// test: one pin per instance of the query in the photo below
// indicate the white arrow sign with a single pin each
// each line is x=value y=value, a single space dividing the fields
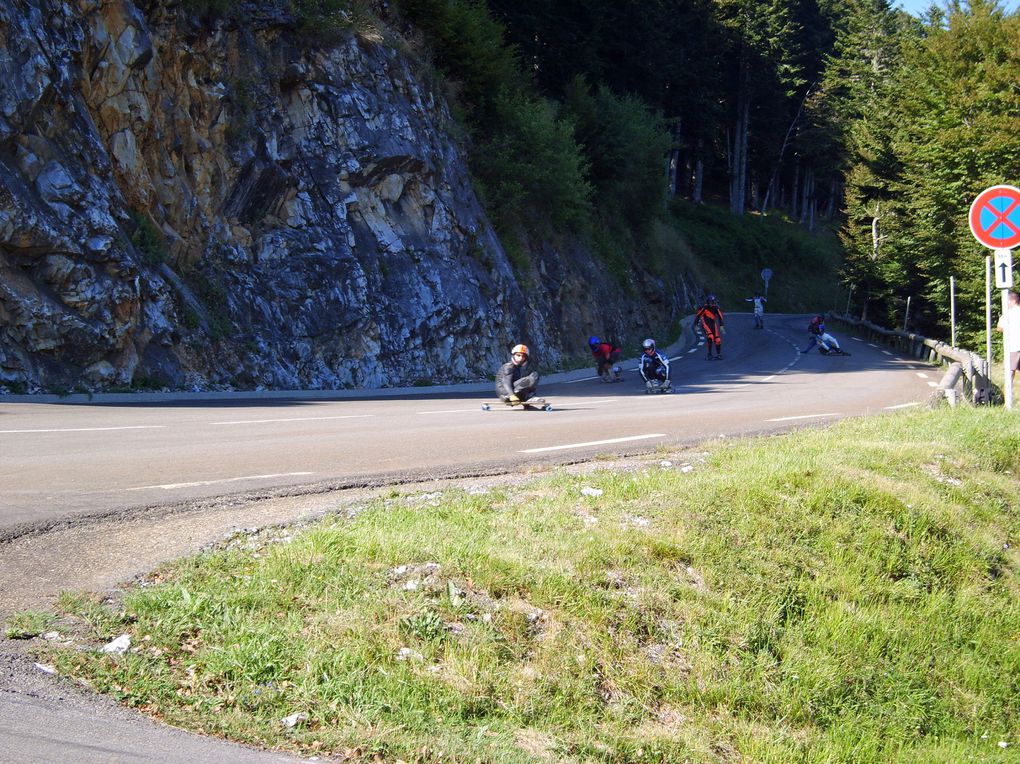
x=1003 y=269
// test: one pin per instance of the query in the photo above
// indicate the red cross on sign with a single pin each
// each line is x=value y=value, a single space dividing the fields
x=995 y=217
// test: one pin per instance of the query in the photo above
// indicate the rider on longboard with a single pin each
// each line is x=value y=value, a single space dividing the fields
x=654 y=368
x=827 y=344
x=710 y=316
x=607 y=359
x=516 y=383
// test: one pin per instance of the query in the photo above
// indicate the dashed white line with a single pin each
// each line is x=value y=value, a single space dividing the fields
x=857 y=339
x=593 y=443
x=921 y=374
x=768 y=379
x=872 y=345
x=171 y=486
x=448 y=411
x=903 y=405
x=886 y=352
x=297 y=419
x=933 y=384
x=695 y=350
x=804 y=416
x=93 y=429
x=582 y=379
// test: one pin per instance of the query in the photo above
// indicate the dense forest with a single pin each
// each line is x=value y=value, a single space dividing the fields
x=612 y=120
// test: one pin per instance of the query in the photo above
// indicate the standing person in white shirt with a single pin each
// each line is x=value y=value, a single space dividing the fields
x=1011 y=354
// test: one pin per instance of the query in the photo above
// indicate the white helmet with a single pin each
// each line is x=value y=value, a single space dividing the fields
x=648 y=344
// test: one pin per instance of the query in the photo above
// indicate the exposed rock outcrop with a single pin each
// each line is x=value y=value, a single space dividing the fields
x=198 y=205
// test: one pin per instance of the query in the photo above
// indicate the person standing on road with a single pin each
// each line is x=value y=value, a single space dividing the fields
x=1011 y=320
x=515 y=380
x=759 y=309
x=710 y=316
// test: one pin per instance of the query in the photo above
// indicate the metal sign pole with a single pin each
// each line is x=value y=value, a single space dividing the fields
x=1007 y=387
x=952 y=311
x=988 y=317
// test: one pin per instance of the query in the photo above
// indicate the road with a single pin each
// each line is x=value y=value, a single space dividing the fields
x=67 y=464
x=61 y=461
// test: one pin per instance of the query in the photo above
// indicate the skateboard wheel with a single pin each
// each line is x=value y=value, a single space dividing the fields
x=486 y=407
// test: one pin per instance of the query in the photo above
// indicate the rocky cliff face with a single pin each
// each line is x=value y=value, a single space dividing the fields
x=196 y=205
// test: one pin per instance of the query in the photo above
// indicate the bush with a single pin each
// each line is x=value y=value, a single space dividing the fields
x=532 y=169
x=625 y=145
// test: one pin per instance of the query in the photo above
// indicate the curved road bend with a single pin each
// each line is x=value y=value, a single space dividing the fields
x=61 y=461
x=65 y=461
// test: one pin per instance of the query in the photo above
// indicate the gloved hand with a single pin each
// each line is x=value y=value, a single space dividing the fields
x=514 y=399
x=722 y=330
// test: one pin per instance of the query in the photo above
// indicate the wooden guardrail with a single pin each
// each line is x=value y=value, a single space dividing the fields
x=976 y=383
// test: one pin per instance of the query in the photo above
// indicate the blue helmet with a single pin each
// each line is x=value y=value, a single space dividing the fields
x=593 y=341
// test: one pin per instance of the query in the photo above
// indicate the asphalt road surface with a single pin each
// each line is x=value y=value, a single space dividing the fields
x=63 y=461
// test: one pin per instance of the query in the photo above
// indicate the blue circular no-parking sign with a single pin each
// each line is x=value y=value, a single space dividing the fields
x=995 y=217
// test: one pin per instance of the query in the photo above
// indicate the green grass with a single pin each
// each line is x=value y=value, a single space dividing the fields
x=843 y=595
x=730 y=253
x=28 y=624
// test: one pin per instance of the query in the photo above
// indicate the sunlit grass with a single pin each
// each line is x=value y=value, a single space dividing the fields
x=846 y=595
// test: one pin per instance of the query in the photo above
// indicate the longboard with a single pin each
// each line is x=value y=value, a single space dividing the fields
x=535 y=404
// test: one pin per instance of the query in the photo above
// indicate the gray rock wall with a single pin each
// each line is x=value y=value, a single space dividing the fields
x=213 y=206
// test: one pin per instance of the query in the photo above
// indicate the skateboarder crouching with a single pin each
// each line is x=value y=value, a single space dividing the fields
x=654 y=367
x=515 y=381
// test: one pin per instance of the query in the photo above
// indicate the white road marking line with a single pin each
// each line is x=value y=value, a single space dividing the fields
x=768 y=379
x=677 y=357
x=297 y=419
x=94 y=429
x=872 y=345
x=170 y=486
x=857 y=339
x=921 y=374
x=695 y=350
x=582 y=379
x=805 y=416
x=886 y=352
x=447 y=411
x=594 y=443
x=933 y=384
x=903 y=405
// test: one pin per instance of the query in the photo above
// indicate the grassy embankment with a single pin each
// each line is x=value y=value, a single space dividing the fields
x=842 y=595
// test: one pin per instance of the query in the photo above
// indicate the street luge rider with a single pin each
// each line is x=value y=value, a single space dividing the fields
x=515 y=381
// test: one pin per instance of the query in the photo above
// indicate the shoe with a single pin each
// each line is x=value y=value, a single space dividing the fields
x=718 y=357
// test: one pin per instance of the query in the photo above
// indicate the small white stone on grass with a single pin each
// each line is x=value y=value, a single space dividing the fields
x=586 y=491
x=51 y=635
x=119 y=646
x=407 y=654
x=1003 y=744
x=45 y=668
x=687 y=468
x=665 y=463
x=294 y=719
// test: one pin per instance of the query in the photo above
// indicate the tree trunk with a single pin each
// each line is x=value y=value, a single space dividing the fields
x=738 y=159
x=699 y=175
x=795 y=190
